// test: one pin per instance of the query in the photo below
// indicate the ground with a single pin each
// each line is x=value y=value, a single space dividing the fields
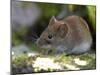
x=31 y=63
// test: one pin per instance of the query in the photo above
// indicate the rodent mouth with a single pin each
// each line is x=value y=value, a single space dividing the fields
x=46 y=46
x=50 y=51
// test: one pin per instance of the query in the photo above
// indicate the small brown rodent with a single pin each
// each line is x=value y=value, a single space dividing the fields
x=70 y=35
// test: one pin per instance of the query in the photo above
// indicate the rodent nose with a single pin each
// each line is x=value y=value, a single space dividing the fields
x=37 y=42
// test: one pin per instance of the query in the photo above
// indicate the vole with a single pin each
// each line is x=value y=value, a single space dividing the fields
x=70 y=35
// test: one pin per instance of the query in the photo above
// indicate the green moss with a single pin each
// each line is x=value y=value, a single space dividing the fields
x=23 y=60
x=87 y=56
x=91 y=59
x=20 y=60
x=64 y=59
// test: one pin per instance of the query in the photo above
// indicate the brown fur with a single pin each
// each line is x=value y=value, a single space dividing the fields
x=70 y=35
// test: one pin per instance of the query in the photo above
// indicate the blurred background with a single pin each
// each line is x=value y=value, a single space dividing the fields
x=29 y=19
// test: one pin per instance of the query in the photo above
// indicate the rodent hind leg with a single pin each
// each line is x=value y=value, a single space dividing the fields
x=73 y=53
x=69 y=51
x=81 y=49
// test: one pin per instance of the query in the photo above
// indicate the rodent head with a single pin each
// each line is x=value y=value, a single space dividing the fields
x=53 y=35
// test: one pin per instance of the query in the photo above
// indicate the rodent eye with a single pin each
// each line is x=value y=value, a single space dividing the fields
x=50 y=36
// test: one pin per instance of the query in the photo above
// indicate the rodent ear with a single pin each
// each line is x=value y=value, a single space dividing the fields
x=52 y=20
x=63 y=30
